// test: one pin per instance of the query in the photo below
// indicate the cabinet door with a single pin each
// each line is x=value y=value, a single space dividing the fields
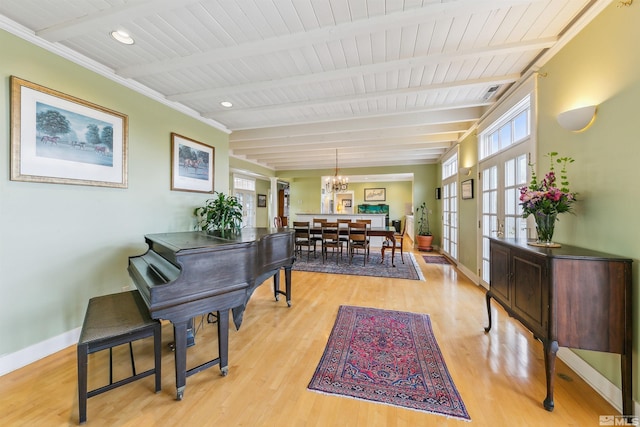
x=499 y=283
x=530 y=291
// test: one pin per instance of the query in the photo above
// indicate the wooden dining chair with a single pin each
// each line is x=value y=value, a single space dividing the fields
x=343 y=225
x=331 y=240
x=358 y=240
x=303 y=238
x=399 y=243
x=316 y=232
x=277 y=222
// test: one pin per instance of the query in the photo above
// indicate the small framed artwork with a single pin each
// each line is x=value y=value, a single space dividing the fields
x=438 y=193
x=467 y=189
x=58 y=138
x=375 y=194
x=346 y=203
x=191 y=165
x=262 y=200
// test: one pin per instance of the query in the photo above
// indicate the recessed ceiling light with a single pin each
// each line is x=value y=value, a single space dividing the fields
x=226 y=104
x=122 y=36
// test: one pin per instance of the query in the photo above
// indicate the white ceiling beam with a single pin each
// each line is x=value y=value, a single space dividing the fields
x=113 y=16
x=414 y=16
x=416 y=123
x=401 y=64
x=429 y=141
x=362 y=97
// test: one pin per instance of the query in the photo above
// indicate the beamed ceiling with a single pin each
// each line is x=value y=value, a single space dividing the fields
x=384 y=82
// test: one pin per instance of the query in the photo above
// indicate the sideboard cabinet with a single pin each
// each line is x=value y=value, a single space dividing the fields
x=567 y=296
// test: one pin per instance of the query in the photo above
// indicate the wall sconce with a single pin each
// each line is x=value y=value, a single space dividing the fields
x=578 y=119
x=464 y=171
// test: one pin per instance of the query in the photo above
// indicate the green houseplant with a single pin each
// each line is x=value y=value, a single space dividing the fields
x=424 y=239
x=221 y=213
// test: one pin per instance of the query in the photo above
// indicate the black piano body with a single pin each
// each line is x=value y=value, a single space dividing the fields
x=185 y=274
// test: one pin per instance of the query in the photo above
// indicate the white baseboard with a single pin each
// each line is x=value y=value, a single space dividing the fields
x=13 y=361
x=595 y=379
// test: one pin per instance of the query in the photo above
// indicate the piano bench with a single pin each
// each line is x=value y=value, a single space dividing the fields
x=109 y=321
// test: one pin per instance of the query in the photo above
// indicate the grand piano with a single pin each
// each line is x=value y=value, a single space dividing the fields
x=186 y=274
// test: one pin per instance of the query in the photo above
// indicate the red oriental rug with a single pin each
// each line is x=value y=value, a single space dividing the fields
x=387 y=357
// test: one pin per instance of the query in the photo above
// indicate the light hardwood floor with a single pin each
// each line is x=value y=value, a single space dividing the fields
x=499 y=375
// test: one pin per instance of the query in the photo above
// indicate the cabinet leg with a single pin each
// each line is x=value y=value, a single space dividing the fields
x=550 y=350
x=627 y=382
x=488 y=297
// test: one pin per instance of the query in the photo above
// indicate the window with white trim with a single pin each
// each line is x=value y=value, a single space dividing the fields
x=510 y=129
x=244 y=189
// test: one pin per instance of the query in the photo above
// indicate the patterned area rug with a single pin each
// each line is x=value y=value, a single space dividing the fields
x=387 y=357
x=408 y=270
x=438 y=259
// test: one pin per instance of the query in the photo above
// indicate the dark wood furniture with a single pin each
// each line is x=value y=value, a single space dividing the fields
x=110 y=321
x=567 y=296
x=386 y=232
x=186 y=274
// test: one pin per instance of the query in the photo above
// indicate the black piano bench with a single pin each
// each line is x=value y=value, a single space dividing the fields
x=113 y=320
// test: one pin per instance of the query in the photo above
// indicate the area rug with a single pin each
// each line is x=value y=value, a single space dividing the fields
x=408 y=270
x=387 y=357
x=437 y=259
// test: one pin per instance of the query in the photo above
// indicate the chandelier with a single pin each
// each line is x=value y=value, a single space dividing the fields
x=337 y=183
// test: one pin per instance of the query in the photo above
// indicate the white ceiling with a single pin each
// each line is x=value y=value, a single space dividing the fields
x=385 y=82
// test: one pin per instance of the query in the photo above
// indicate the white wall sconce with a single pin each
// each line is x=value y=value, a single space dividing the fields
x=578 y=119
x=464 y=171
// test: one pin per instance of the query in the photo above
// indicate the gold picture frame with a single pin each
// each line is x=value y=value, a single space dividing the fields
x=60 y=139
x=191 y=165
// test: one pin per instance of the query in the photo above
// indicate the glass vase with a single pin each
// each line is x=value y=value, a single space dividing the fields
x=545 y=224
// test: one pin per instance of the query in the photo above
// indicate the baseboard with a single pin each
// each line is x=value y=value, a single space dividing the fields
x=13 y=361
x=609 y=391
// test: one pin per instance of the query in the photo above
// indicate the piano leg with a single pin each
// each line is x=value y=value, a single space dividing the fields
x=287 y=279
x=223 y=341
x=276 y=285
x=180 y=355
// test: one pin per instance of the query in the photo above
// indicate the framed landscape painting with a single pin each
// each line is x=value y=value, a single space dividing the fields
x=191 y=165
x=375 y=194
x=58 y=138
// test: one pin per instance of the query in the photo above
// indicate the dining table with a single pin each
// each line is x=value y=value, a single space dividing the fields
x=386 y=232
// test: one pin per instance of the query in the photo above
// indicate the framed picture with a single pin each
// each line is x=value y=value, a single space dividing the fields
x=262 y=200
x=346 y=203
x=57 y=138
x=375 y=194
x=191 y=165
x=467 y=189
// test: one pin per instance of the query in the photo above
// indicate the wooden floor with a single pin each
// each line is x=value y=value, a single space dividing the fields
x=499 y=375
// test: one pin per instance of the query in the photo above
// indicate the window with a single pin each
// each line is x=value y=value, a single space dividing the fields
x=514 y=127
x=450 y=206
x=244 y=188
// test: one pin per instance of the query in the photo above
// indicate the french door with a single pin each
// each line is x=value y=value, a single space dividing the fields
x=500 y=213
x=450 y=218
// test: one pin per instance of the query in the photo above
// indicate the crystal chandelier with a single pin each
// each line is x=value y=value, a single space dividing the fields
x=337 y=183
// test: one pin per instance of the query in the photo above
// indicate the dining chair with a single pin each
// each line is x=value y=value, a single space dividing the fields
x=316 y=230
x=358 y=240
x=399 y=243
x=331 y=240
x=303 y=239
x=343 y=225
x=277 y=222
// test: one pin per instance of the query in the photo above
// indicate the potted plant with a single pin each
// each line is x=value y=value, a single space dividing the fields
x=222 y=214
x=424 y=237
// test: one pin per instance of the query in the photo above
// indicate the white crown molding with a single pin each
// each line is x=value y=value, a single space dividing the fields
x=64 y=52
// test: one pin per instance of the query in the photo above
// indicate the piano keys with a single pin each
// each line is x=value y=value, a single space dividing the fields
x=186 y=274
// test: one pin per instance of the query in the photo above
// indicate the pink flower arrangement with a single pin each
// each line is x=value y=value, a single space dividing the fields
x=545 y=197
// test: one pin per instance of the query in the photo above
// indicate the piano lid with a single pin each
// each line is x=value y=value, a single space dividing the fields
x=190 y=240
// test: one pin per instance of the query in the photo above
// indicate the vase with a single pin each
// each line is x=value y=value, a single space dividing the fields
x=545 y=224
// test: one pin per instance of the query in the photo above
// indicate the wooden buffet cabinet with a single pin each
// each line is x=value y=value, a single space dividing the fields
x=568 y=296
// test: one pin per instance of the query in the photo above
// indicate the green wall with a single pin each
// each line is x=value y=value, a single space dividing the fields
x=600 y=66
x=63 y=244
